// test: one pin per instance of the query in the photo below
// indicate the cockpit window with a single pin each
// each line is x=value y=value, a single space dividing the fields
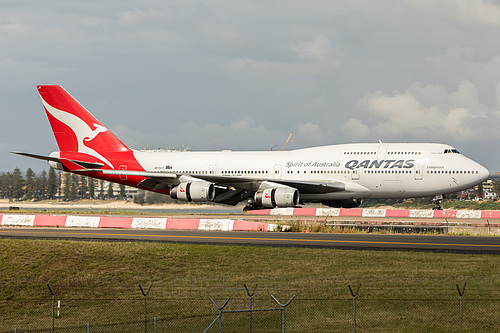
x=451 y=151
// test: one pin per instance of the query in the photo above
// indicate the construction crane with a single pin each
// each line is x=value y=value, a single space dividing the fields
x=286 y=142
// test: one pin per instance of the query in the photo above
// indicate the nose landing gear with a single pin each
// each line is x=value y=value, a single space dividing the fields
x=437 y=201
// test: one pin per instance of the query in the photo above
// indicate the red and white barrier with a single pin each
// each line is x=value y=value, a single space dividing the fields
x=132 y=222
x=376 y=212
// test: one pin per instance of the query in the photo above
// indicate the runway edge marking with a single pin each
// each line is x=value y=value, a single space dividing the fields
x=27 y=220
x=378 y=212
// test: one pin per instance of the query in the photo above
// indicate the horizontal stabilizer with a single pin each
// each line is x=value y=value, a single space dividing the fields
x=83 y=164
x=40 y=157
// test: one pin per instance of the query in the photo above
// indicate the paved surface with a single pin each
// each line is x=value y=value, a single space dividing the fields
x=464 y=244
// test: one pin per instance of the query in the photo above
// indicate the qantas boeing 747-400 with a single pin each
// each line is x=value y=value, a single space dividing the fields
x=337 y=175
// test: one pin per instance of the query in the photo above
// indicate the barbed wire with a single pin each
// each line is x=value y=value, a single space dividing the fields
x=335 y=287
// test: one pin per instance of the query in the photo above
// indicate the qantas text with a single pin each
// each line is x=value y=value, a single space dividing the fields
x=386 y=164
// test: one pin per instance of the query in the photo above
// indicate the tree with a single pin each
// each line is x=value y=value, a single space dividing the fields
x=480 y=190
x=29 y=184
x=52 y=184
x=69 y=191
x=40 y=187
x=101 y=190
x=17 y=184
x=156 y=198
x=139 y=197
x=84 y=188
x=452 y=196
x=110 y=194
x=496 y=188
x=91 y=188
x=122 y=192
x=73 y=179
x=6 y=185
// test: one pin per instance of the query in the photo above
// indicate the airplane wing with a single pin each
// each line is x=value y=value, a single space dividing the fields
x=227 y=187
x=161 y=176
x=229 y=190
x=254 y=184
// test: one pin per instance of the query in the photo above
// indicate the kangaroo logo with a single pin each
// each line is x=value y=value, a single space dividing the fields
x=82 y=131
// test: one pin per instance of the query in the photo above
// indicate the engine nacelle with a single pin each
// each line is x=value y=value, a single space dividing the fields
x=194 y=191
x=277 y=197
x=344 y=203
x=56 y=165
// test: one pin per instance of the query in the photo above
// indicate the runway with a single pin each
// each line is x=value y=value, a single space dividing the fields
x=459 y=244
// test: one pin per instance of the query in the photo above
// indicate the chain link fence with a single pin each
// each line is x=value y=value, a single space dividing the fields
x=103 y=304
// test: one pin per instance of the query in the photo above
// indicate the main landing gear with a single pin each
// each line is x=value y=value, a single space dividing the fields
x=251 y=205
x=437 y=201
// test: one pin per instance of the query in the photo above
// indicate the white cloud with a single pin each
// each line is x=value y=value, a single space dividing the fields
x=425 y=111
x=14 y=28
x=315 y=58
x=311 y=132
x=318 y=49
x=242 y=124
x=471 y=12
x=355 y=129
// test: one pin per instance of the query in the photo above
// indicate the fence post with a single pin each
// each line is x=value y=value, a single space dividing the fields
x=53 y=299
x=461 y=294
x=251 y=308
x=354 y=304
x=283 y=306
x=219 y=317
x=145 y=294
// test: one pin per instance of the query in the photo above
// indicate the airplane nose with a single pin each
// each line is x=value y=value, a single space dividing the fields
x=483 y=173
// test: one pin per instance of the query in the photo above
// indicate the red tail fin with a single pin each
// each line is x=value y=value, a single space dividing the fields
x=77 y=130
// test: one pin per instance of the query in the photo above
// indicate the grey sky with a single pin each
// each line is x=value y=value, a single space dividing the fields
x=216 y=75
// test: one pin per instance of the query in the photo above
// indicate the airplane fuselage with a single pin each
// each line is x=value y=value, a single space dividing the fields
x=369 y=170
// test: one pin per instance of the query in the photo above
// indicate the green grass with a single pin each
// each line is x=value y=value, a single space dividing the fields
x=98 y=283
x=47 y=259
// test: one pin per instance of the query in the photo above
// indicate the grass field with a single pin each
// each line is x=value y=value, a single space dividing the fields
x=98 y=283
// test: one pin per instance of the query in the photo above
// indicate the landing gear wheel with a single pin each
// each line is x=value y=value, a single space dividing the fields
x=438 y=207
x=437 y=201
x=251 y=205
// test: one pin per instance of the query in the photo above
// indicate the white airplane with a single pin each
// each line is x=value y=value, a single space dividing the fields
x=336 y=175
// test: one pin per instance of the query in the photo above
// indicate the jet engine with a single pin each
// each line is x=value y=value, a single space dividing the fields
x=344 y=203
x=277 y=197
x=194 y=191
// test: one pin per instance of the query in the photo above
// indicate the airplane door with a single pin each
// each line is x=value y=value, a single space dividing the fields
x=277 y=171
x=418 y=172
x=123 y=168
x=355 y=173
x=212 y=169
